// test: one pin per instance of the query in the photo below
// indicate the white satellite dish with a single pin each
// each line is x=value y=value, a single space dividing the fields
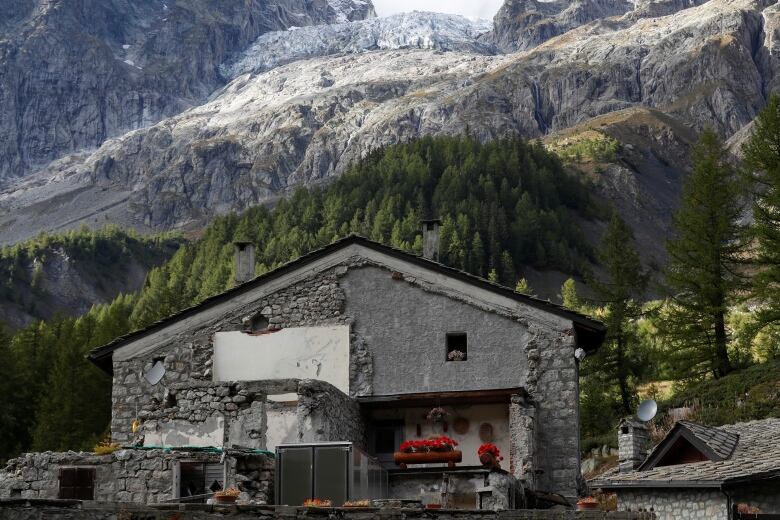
x=647 y=410
x=156 y=373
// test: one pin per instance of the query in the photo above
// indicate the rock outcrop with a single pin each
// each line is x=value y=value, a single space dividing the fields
x=524 y=24
x=75 y=72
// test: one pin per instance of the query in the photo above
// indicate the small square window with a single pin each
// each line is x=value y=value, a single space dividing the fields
x=457 y=346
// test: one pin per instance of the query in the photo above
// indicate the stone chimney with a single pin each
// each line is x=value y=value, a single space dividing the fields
x=431 y=239
x=633 y=443
x=245 y=262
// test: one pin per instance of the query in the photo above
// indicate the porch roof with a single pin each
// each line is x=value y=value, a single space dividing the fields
x=424 y=399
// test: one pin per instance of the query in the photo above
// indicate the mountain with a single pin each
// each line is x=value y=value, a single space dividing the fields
x=76 y=72
x=306 y=121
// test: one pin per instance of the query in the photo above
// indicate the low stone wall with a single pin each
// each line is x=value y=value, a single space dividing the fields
x=132 y=476
x=676 y=504
x=47 y=510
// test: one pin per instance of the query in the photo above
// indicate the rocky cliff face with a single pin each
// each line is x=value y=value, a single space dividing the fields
x=75 y=72
x=524 y=24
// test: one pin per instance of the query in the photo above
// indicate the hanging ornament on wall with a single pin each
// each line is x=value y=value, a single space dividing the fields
x=486 y=432
x=461 y=426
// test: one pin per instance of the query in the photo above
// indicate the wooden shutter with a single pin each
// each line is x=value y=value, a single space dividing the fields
x=77 y=483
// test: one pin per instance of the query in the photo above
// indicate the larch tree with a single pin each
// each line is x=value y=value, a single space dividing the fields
x=704 y=275
x=762 y=159
x=619 y=293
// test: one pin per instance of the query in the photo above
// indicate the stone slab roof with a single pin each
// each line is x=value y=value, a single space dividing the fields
x=755 y=456
x=723 y=442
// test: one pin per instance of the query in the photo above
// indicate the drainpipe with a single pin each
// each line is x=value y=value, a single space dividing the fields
x=729 y=504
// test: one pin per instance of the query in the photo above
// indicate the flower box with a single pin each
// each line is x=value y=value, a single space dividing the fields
x=428 y=457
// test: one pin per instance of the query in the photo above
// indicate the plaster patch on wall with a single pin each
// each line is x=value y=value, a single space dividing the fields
x=178 y=433
x=320 y=353
x=282 y=427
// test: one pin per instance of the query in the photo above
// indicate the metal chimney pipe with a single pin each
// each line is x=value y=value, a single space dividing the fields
x=431 y=239
x=245 y=262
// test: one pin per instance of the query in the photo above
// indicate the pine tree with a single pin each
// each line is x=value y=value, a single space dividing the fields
x=11 y=408
x=703 y=275
x=626 y=281
x=762 y=159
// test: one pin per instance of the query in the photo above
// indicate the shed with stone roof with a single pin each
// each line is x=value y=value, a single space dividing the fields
x=699 y=471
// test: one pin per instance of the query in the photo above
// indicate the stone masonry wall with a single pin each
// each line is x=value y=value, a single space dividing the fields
x=398 y=328
x=553 y=386
x=135 y=476
x=21 y=510
x=188 y=357
x=677 y=504
x=326 y=414
x=241 y=405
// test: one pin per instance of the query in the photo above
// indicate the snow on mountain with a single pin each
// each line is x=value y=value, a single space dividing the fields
x=420 y=30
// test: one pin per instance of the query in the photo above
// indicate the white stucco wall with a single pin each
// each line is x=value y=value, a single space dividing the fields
x=179 y=433
x=495 y=414
x=282 y=426
x=297 y=353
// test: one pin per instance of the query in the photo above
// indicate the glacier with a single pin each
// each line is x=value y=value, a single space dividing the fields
x=415 y=30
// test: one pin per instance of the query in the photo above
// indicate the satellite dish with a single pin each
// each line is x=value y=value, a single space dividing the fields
x=647 y=410
x=156 y=373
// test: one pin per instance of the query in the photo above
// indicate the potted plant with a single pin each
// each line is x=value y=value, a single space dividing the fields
x=587 y=504
x=456 y=355
x=437 y=414
x=425 y=451
x=317 y=502
x=490 y=456
x=227 y=496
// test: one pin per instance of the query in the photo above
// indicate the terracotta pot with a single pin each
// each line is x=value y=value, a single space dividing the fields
x=588 y=505
x=489 y=461
x=429 y=457
x=225 y=499
x=432 y=506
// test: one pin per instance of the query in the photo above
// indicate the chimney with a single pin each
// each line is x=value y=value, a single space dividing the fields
x=245 y=262
x=633 y=443
x=431 y=239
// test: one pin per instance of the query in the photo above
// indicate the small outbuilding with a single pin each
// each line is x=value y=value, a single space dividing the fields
x=698 y=471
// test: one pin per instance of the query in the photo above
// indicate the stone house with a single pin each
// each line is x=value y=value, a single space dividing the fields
x=698 y=471
x=355 y=342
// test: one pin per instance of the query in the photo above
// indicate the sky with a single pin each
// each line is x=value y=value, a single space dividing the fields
x=471 y=8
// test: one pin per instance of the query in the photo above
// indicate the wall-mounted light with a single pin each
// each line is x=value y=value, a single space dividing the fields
x=580 y=354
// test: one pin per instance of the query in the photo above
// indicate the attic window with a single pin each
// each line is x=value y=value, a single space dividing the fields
x=457 y=346
x=258 y=323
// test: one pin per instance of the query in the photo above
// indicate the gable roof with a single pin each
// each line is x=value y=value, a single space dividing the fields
x=753 y=454
x=590 y=333
x=713 y=443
